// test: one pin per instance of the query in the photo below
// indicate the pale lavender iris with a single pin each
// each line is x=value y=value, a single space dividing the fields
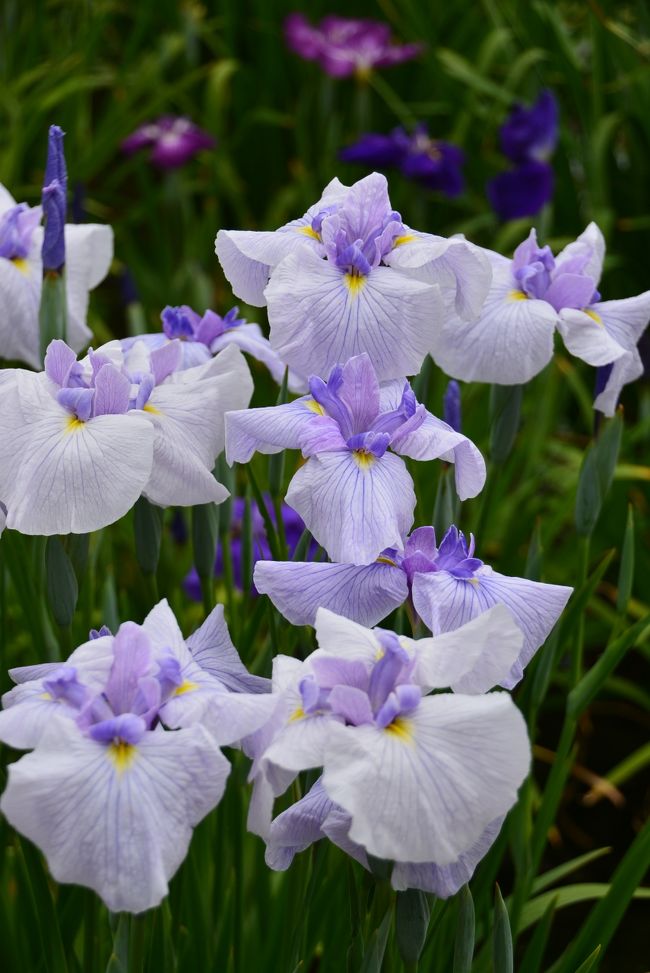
x=344 y=46
x=109 y=794
x=173 y=141
x=446 y=584
x=355 y=494
x=81 y=441
x=531 y=297
x=421 y=781
x=435 y=164
x=17 y=227
x=349 y=277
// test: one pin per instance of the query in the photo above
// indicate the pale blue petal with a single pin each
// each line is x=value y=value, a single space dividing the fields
x=268 y=430
x=445 y=603
x=319 y=319
x=436 y=440
x=366 y=594
x=213 y=650
x=354 y=510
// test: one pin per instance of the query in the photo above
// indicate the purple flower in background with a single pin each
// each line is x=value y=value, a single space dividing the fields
x=447 y=585
x=430 y=162
x=452 y=408
x=173 y=141
x=81 y=441
x=109 y=795
x=354 y=496
x=531 y=296
x=421 y=781
x=88 y=250
x=344 y=46
x=350 y=277
x=293 y=531
x=528 y=138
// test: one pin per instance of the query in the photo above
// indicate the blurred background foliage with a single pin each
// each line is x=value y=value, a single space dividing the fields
x=100 y=69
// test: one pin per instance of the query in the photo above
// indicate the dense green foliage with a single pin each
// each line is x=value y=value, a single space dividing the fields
x=573 y=853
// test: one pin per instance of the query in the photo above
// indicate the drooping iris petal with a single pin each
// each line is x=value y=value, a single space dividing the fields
x=445 y=880
x=366 y=594
x=427 y=790
x=268 y=430
x=355 y=507
x=118 y=822
x=586 y=337
x=320 y=315
x=510 y=343
x=461 y=270
x=445 y=603
x=212 y=648
x=72 y=476
x=472 y=658
x=434 y=439
x=627 y=369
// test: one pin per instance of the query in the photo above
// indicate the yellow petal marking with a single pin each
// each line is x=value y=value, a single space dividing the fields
x=21 y=264
x=402 y=729
x=364 y=459
x=298 y=714
x=73 y=424
x=185 y=687
x=517 y=296
x=152 y=409
x=122 y=755
x=354 y=283
x=405 y=238
x=593 y=315
x=315 y=406
x=309 y=231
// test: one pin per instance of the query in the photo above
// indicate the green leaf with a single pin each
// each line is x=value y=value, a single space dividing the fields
x=374 y=954
x=411 y=922
x=464 y=942
x=626 y=569
x=60 y=582
x=596 y=475
x=590 y=962
x=501 y=937
x=533 y=568
x=505 y=411
x=445 y=503
x=205 y=528
x=147 y=527
x=532 y=959
x=568 y=895
x=463 y=71
x=566 y=868
x=590 y=685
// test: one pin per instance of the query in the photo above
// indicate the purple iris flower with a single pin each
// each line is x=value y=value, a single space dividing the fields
x=81 y=441
x=173 y=141
x=423 y=781
x=355 y=496
x=54 y=202
x=452 y=408
x=350 y=277
x=109 y=794
x=430 y=162
x=532 y=296
x=447 y=585
x=293 y=531
x=528 y=138
x=344 y=46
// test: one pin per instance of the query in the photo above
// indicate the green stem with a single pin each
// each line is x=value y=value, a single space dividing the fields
x=577 y=661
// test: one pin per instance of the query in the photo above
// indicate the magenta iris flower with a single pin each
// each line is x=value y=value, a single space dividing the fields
x=173 y=141
x=434 y=164
x=528 y=138
x=344 y=46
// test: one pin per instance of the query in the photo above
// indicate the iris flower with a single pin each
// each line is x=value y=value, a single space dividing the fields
x=349 y=277
x=531 y=297
x=447 y=584
x=344 y=46
x=109 y=794
x=81 y=441
x=423 y=781
x=354 y=495
x=173 y=141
